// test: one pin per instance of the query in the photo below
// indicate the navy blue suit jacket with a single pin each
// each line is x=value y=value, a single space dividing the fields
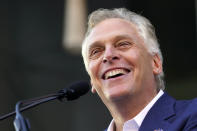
x=168 y=114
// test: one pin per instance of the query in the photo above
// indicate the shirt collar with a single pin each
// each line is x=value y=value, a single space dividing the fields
x=138 y=119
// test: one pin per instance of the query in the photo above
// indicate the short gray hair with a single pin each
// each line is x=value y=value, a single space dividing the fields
x=144 y=26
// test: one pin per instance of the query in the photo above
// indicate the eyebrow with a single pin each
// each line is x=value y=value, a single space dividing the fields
x=115 y=39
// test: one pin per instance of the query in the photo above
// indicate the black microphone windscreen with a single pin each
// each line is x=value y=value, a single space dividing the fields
x=76 y=90
x=80 y=88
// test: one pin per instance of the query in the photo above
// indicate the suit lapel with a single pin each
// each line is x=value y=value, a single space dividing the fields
x=156 y=118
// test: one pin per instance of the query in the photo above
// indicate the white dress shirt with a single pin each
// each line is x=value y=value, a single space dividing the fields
x=135 y=123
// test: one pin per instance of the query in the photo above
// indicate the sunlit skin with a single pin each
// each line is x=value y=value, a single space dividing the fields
x=116 y=44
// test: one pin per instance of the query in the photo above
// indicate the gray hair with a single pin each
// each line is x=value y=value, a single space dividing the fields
x=144 y=26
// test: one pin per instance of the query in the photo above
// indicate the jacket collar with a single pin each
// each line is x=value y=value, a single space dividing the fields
x=156 y=118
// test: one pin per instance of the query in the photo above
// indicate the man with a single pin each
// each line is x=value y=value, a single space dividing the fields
x=122 y=57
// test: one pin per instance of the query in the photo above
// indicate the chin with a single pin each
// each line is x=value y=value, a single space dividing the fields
x=117 y=94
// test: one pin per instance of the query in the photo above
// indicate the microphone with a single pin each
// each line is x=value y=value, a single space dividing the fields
x=73 y=92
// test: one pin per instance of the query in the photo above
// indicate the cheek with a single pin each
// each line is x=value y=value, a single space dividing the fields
x=139 y=57
x=140 y=62
x=93 y=73
x=93 y=70
x=132 y=57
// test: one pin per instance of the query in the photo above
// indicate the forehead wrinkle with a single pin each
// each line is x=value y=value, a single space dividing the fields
x=105 y=23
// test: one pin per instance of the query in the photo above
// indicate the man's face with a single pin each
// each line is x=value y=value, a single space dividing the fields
x=119 y=64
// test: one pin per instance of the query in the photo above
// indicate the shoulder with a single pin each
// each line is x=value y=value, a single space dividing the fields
x=188 y=114
x=179 y=105
x=181 y=109
x=185 y=115
x=186 y=108
x=186 y=105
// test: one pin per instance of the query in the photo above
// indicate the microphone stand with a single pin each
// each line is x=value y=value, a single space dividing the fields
x=21 y=123
x=73 y=92
x=32 y=103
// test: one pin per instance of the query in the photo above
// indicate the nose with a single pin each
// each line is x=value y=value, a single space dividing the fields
x=110 y=55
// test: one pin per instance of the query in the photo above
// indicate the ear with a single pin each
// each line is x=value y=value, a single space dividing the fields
x=157 y=64
x=93 y=89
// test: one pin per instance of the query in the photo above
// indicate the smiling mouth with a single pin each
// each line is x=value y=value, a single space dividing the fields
x=115 y=73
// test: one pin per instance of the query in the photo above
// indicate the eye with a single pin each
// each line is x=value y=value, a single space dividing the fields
x=124 y=45
x=95 y=52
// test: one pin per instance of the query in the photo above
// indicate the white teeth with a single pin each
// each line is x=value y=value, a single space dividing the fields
x=114 y=72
